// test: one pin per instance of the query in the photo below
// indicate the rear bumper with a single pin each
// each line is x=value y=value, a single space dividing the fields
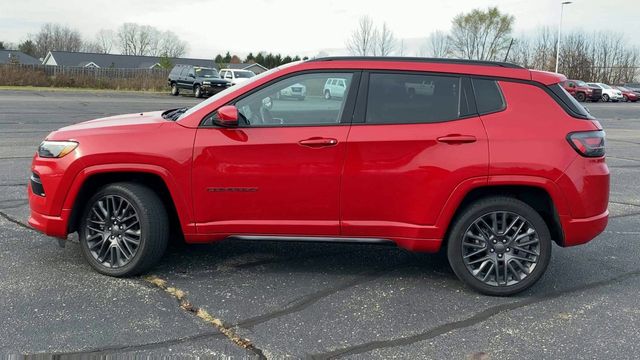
x=580 y=231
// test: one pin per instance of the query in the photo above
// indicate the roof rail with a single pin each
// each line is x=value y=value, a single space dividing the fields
x=420 y=59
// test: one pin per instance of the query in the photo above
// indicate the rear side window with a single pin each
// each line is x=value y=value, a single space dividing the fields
x=569 y=103
x=395 y=98
x=489 y=98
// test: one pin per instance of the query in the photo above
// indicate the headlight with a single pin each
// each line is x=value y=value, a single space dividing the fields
x=56 y=149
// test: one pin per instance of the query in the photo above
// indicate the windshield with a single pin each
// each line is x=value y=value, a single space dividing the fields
x=230 y=89
x=623 y=88
x=206 y=73
x=244 y=74
x=581 y=83
x=605 y=86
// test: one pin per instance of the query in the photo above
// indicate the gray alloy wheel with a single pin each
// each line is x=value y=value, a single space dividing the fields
x=174 y=89
x=501 y=248
x=124 y=229
x=197 y=91
x=499 y=245
x=605 y=98
x=113 y=231
x=327 y=94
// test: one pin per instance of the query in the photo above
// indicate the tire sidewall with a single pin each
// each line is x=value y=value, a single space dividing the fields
x=454 y=244
x=144 y=238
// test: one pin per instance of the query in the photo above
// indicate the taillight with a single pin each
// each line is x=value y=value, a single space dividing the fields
x=588 y=143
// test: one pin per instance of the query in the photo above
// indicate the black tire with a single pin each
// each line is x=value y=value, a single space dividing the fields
x=581 y=97
x=197 y=91
x=153 y=228
x=605 y=98
x=485 y=207
x=174 y=89
x=625 y=98
x=327 y=95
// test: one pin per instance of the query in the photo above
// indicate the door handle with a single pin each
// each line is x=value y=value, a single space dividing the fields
x=316 y=142
x=457 y=139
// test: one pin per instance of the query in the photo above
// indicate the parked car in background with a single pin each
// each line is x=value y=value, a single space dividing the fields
x=581 y=91
x=200 y=80
x=488 y=167
x=608 y=93
x=295 y=91
x=421 y=88
x=334 y=87
x=632 y=86
x=628 y=94
x=236 y=76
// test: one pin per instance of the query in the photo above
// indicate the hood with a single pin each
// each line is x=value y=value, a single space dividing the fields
x=240 y=80
x=113 y=124
x=212 y=80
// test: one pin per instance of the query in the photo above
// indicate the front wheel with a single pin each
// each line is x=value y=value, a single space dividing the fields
x=605 y=98
x=327 y=95
x=197 y=91
x=581 y=97
x=124 y=229
x=499 y=246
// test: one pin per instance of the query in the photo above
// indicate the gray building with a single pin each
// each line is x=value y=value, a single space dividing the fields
x=14 y=56
x=84 y=59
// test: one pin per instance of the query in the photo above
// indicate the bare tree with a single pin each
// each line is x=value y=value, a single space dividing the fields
x=363 y=38
x=56 y=37
x=135 y=39
x=385 y=42
x=104 y=41
x=481 y=35
x=438 y=44
x=171 y=45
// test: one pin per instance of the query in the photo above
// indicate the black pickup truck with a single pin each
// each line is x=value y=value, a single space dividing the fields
x=201 y=80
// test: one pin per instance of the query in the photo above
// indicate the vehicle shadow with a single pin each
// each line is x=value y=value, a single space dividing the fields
x=292 y=257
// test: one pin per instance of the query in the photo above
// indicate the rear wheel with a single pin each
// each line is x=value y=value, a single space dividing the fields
x=174 y=89
x=124 y=229
x=581 y=97
x=605 y=98
x=499 y=246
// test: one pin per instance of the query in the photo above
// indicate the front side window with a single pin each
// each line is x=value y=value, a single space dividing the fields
x=278 y=105
x=413 y=98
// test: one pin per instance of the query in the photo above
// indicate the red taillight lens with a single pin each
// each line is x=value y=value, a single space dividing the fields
x=588 y=143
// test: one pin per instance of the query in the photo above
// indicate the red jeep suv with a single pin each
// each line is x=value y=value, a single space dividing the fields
x=490 y=161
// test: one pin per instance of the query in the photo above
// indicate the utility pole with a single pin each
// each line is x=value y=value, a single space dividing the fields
x=560 y=34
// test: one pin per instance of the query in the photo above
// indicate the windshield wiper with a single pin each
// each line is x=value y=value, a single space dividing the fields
x=174 y=114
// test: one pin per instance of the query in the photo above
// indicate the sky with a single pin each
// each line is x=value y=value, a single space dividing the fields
x=302 y=27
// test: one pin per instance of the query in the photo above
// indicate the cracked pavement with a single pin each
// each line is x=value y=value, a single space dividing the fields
x=305 y=300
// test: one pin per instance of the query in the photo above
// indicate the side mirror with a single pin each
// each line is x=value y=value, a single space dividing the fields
x=227 y=116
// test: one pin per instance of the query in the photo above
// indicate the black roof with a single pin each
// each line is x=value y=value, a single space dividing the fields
x=69 y=58
x=421 y=59
x=6 y=56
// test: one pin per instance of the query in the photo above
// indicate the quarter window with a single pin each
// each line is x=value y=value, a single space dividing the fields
x=488 y=96
x=413 y=98
x=294 y=101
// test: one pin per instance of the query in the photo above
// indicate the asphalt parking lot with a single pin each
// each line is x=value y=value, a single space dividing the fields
x=305 y=300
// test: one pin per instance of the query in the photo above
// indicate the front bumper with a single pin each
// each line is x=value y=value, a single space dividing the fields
x=211 y=89
x=50 y=225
